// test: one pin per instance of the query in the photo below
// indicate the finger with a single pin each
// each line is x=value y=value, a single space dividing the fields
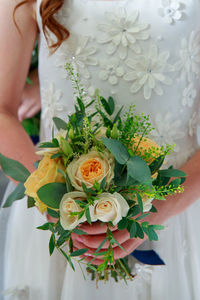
x=129 y=246
x=91 y=251
x=94 y=241
x=96 y=228
x=88 y=258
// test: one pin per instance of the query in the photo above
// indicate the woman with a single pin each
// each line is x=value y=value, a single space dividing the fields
x=132 y=50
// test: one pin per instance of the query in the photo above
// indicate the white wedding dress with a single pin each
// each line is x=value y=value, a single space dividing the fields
x=145 y=52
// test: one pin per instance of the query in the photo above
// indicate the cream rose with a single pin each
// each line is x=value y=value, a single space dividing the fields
x=101 y=132
x=69 y=205
x=89 y=168
x=109 y=207
x=147 y=203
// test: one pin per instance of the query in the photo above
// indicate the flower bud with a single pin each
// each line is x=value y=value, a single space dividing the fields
x=108 y=132
x=71 y=133
x=66 y=148
x=115 y=132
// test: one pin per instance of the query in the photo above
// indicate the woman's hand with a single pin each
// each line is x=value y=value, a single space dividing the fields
x=31 y=102
x=96 y=234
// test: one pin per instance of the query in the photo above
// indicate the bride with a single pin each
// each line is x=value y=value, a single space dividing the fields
x=146 y=52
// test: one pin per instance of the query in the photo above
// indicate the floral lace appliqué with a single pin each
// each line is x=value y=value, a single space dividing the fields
x=170 y=11
x=78 y=53
x=122 y=31
x=149 y=72
x=193 y=123
x=189 y=62
x=189 y=95
x=51 y=104
x=110 y=70
x=167 y=131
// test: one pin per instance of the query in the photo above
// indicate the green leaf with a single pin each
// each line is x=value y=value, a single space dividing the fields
x=79 y=231
x=81 y=105
x=140 y=232
x=152 y=234
x=101 y=245
x=36 y=163
x=79 y=252
x=111 y=104
x=68 y=259
x=52 y=193
x=133 y=211
x=117 y=149
x=47 y=145
x=87 y=214
x=140 y=203
x=118 y=244
x=138 y=169
x=52 y=244
x=142 y=216
x=63 y=238
x=158 y=227
x=175 y=183
x=106 y=121
x=153 y=209
x=68 y=184
x=133 y=230
x=59 y=123
x=45 y=226
x=117 y=115
x=52 y=213
x=30 y=202
x=17 y=194
x=123 y=223
x=156 y=164
x=14 y=169
x=106 y=106
x=59 y=154
x=172 y=173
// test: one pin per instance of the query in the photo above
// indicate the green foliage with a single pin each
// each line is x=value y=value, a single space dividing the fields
x=14 y=169
x=52 y=193
x=17 y=194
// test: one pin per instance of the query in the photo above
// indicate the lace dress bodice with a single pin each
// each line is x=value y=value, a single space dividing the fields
x=137 y=51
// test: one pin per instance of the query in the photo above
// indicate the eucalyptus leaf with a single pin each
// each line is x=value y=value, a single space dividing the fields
x=14 y=169
x=59 y=123
x=52 y=193
x=79 y=231
x=119 y=151
x=139 y=170
x=140 y=203
x=17 y=194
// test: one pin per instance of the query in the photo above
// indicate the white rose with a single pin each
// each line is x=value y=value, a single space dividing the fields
x=69 y=205
x=109 y=207
x=89 y=168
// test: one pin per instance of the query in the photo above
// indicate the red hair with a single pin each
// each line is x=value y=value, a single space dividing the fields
x=48 y=9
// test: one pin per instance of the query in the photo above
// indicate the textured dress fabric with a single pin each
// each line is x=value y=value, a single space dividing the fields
x=139 y=52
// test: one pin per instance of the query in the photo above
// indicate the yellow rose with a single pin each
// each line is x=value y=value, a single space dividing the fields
x=109 y=207
x=89 y=168
x=47 y=172
x=144 y=148
x=69 y=205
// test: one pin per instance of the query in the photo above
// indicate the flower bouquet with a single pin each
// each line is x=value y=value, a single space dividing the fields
x=98 y=167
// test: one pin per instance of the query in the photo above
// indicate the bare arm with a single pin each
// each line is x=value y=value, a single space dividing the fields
x=15 y=56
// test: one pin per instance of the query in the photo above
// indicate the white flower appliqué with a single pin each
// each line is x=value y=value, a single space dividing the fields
x=110 y=70
x=193 y=122
x=122 y=31
x=189 y=57
x=189 y=95
x=166 y=130
x=78 y=53
x=170 y=11
x=149 y=72
x=51 y=104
